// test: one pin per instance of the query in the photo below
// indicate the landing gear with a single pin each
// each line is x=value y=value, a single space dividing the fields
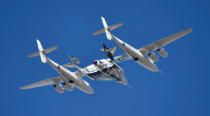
x=118 y=79
x=136 y=59
x=71 y=81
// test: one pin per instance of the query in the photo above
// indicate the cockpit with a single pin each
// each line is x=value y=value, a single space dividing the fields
x=99 y=63
x=95 y=62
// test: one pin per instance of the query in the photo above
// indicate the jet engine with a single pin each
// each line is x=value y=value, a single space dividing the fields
x=162 y=52
x=59 y=88
x=69 y=85
x=153 y=57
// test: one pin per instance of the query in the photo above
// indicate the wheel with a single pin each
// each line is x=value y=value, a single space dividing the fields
x=71 y=81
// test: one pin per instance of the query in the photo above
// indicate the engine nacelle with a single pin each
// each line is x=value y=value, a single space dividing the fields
x=59 y=88
x=153 y=57
x=162 y=52
x=68 y=85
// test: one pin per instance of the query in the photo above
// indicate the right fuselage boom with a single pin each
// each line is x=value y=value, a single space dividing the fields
x=137 y=56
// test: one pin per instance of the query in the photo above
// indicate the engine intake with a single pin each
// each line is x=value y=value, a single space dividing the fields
x=162 y=52
x=59 y=88
x=69 y=85
x=153 y=57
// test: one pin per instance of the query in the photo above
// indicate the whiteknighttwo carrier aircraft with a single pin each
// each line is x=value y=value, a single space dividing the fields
x=104 y=69
x=144 y=56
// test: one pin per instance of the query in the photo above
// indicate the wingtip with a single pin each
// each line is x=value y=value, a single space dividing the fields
x=22 y=87
x=29 y=56
x=120 y=23
x=94 y=33
x=129 y=86
x=37 y=40
x=191 y=28
x=161 y=71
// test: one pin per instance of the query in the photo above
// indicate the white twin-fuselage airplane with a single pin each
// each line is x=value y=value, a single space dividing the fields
x=144 y=56
x=104 y=69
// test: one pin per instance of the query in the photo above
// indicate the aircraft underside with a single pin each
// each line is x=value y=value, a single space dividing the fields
x=107 y=74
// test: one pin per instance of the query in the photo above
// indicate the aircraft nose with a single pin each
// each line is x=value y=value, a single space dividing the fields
x=90 y=90
x=155 y=69
x=87 y=88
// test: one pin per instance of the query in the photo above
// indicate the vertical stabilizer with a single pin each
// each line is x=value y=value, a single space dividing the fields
x=106 y=29
x=42 y=51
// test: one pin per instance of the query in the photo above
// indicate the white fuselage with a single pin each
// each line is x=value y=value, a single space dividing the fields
x=104 y=69
x=70 y=76
x=136 y=55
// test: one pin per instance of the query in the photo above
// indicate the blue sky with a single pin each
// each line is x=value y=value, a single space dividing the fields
x=182 y=90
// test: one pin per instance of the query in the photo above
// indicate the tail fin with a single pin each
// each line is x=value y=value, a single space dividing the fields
x=107 y=29
x=109 y=52
x=42 y=52
x=72 y=61
x=72 y=64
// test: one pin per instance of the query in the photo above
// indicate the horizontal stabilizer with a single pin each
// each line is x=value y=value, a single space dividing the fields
x=113 y=50
x=44 y=51
x=72 y=61
x=107 y=29
x=112 y=27
x=50 y=49
x=75 y=60
x=34 y=54
x=69 y=65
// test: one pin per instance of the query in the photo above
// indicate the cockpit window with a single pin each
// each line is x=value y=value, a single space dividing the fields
x=101 y=62
x=95 y=62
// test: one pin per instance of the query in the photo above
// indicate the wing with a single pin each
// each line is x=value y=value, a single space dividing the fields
x=122 y=58
x=158 y=44
x=46 y=82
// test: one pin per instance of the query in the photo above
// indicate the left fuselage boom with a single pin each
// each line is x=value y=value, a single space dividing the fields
x=70 y=77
